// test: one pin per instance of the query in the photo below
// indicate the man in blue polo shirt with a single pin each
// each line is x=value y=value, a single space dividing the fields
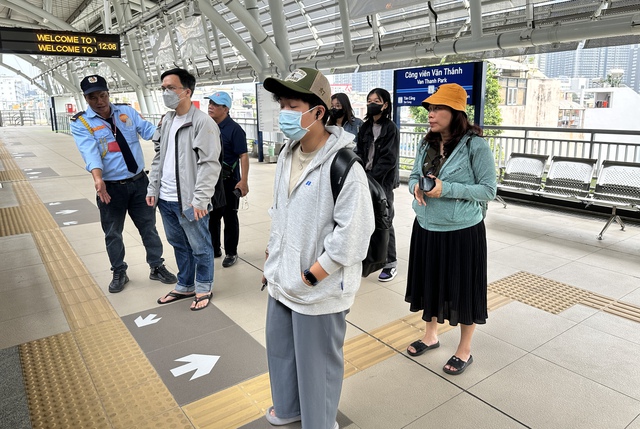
x=107 y=136
x=235 y=173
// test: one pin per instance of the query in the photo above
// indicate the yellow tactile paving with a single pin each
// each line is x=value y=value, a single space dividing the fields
x=26 y=195
x=539 y=292
x=59 y=388
x=113 y=357
x=232 y=407
x=555 y=297
x=622 y=309
x=9 y=170
x=95 y=376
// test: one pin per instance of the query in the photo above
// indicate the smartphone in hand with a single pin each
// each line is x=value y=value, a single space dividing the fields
x=188 y=213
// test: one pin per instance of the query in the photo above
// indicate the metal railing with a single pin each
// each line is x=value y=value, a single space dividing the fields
x=603 y=145
x=610 y=145
x=23 y=117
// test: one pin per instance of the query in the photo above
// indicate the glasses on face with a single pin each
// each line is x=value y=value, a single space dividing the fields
x=431 y=169
x=171 y=88
x=435 y=108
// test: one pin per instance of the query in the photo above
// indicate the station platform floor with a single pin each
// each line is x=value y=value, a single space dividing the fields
x=559 y=350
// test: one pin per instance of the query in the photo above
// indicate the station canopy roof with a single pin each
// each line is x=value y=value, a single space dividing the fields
x=234 y=41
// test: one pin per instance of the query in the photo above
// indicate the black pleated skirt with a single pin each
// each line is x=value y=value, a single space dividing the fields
x=448 y=274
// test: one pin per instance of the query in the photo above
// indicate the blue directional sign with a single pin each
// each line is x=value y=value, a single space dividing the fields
x=415 y=84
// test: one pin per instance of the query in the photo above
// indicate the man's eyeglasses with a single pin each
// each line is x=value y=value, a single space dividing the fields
x=431 y=170
x=171 y=88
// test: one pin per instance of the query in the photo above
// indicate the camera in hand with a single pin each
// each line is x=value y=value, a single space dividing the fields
x=237 y=192
x=426 y=183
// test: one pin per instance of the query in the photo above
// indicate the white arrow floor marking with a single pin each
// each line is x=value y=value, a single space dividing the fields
x=202 y=364
x=66 y=212
x=149 y=320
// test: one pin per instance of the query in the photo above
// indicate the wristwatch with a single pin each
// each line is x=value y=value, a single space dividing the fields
x=310 y=277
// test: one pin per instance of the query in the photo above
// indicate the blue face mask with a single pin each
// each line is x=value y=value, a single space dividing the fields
x=290 y=122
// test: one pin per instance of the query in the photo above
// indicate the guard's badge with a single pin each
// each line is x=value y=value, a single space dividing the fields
x=92 y=79
x=296 y=75
x=123 y=117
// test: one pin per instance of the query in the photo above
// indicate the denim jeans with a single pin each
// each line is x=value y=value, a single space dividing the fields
x=192 y=247
x=129 y=197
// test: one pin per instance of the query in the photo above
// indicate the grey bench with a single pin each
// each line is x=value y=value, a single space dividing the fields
x=522 y=173
x=568 y=178
x=617 y=186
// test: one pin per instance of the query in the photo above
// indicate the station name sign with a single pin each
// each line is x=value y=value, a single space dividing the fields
x=414 y=85
x=53 y=42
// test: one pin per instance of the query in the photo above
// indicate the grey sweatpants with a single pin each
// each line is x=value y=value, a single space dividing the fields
x=306 y=364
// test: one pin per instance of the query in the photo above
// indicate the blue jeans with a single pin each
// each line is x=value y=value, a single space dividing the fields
x=192 y=247
x=129 y=196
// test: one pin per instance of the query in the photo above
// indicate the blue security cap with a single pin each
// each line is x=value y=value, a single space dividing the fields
x=221 y=99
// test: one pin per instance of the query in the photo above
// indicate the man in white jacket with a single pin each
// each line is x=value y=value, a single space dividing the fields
x=183 y=176
x=314 y=256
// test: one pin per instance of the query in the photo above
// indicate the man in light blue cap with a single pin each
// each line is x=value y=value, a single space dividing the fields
x=235 y=173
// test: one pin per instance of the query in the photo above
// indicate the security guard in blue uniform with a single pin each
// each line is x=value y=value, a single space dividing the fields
x=107 y=136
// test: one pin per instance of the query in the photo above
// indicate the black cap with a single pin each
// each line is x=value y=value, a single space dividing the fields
x=93 y=83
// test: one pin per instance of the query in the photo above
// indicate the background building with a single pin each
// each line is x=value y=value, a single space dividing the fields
x=12 y=92
x=594 y=64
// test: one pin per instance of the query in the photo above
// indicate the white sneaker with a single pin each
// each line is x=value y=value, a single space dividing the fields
x=387 y=274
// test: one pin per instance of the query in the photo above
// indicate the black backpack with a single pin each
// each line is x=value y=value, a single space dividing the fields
x=379 y=243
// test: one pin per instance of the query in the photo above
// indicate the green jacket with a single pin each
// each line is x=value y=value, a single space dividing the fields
x=468 y=178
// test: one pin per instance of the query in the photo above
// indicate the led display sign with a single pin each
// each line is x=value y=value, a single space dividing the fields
x=52 y=42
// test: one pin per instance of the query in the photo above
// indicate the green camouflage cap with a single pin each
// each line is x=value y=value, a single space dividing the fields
x=305 y=81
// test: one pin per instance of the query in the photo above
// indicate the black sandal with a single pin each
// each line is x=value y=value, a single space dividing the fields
x=458 y=364
x=421 y=347
x=202 y=298
x=177 y=296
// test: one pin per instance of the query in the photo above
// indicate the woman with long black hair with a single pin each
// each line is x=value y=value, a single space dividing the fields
x=341 y=114
x=378 y=145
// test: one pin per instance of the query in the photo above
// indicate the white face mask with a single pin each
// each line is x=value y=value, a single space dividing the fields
x=171 y=99
x=290 y=122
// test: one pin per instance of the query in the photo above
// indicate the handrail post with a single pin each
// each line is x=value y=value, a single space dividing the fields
x=591 y=144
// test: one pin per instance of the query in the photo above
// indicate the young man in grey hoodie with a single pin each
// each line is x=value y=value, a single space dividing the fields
x=314 y=256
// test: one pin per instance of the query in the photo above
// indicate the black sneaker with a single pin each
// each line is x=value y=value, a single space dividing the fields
x=118 y=282
x=217 y=253
x=161 y=273
x=229 y=260
x=387 y=274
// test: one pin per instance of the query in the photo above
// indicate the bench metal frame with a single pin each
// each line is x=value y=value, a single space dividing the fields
x=617 y=186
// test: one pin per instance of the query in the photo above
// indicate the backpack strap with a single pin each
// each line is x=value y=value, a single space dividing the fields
x=340 y=167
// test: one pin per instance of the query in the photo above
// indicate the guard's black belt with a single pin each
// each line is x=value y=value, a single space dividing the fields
x=130 y=179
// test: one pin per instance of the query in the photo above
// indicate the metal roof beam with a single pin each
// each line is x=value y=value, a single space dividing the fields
x=19 y=73
x=346 y=31
x=258 y=33
x=229 y=32
x=280 y=33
